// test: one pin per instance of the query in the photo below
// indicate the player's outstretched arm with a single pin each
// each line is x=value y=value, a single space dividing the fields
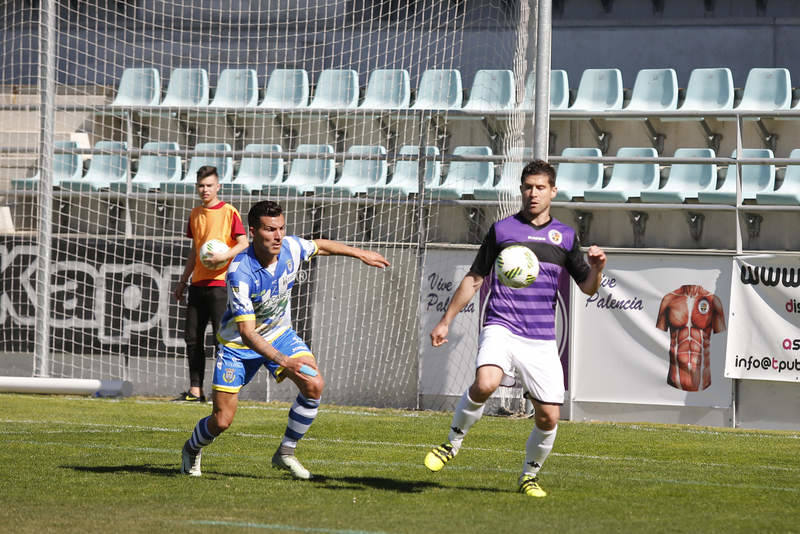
x=328 y=247
x=466 y=290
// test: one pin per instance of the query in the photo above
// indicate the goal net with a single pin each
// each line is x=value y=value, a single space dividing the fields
x=396 y=126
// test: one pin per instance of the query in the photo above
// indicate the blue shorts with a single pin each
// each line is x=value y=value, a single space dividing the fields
x=235 y=368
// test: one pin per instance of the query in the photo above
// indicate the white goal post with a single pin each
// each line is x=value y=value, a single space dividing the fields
x=390 y=125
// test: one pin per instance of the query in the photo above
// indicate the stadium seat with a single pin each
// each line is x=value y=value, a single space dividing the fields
x=766 y=89
x=286 y=89
x=236 y=88
x=138 y=87
x=66 y=167
x=307 y=173
x=685 y=180
x=654 y=90
x=574 y=179
x=628 y=180
x=510 y=175
x=559 y=91
x=755 y=179
x=358 y=174
x=463 y=177
x=188 y=184
x=709 y=90
x=405 y=180
x=104 y=169
x=387 y=89
x=153 y=170
x=336 y=89
x=439 y=89
x=492 y=91
x=256 y=173
x=187 y=87
x=599 y=90
x=789 y=191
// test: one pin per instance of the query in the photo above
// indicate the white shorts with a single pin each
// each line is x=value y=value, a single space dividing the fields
x=536 y=362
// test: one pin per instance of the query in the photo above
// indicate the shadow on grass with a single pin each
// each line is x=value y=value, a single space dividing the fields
x=147 y=469
x=382 y=483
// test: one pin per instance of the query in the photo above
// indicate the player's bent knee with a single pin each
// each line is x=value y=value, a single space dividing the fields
x=546 y=419
x=221 y=421
x=312 y=389
x=480 y=391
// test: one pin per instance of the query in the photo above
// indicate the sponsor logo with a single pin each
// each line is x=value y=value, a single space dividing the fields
x=793 y=306
x=555 y=237
x=770 y=276
x=790 y=344
x=438 y=299
x=536 y=238
x=610 y=302
x=766 y=363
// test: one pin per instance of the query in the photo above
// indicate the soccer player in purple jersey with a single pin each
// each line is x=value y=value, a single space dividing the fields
x=518 y=333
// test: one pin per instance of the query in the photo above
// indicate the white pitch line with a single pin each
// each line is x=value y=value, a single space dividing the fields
x=369 y=443
x=280 y=527
x=429 y=413
x=382 y=465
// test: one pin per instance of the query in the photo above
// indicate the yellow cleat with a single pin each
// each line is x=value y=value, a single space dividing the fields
x=529 y=485
x=439 y=456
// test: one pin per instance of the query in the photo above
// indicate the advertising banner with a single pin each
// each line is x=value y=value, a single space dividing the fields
x=105 y=294
x=655 y=332
x=449 y=369
x=764 y=343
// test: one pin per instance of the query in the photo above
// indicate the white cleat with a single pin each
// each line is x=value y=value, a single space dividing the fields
x=289 y=462
x=190 y=464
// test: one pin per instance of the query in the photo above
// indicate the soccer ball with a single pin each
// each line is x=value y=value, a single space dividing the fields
x=516 y=266
x=215 y=245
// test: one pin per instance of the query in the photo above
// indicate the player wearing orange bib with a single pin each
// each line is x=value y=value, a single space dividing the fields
x=213 y=219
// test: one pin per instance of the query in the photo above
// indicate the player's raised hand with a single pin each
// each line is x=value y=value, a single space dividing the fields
x=374 y=259
x=439 y=334
x=596 y=257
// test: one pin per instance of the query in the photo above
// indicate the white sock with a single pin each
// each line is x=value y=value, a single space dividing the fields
x=467 y=414
x=539 y=445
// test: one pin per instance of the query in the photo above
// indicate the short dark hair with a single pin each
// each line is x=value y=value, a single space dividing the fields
x=205 y=171
x=539 y=166
x=265 y=208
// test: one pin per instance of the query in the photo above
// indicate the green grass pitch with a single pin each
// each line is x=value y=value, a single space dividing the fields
x=97 y=465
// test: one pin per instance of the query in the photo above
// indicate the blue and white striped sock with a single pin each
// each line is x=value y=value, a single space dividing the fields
x=301 y=416
x=200 y=437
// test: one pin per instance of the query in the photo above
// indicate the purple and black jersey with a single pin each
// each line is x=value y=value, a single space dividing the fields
x=530 y=312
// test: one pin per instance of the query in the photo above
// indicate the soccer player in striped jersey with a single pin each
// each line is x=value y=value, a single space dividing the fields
x=518 y=333
x=256 y=330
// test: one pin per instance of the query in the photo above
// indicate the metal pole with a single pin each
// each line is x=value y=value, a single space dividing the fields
x=47 y=89
x=422 y=236
x=738 y=184
x=541 y=119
